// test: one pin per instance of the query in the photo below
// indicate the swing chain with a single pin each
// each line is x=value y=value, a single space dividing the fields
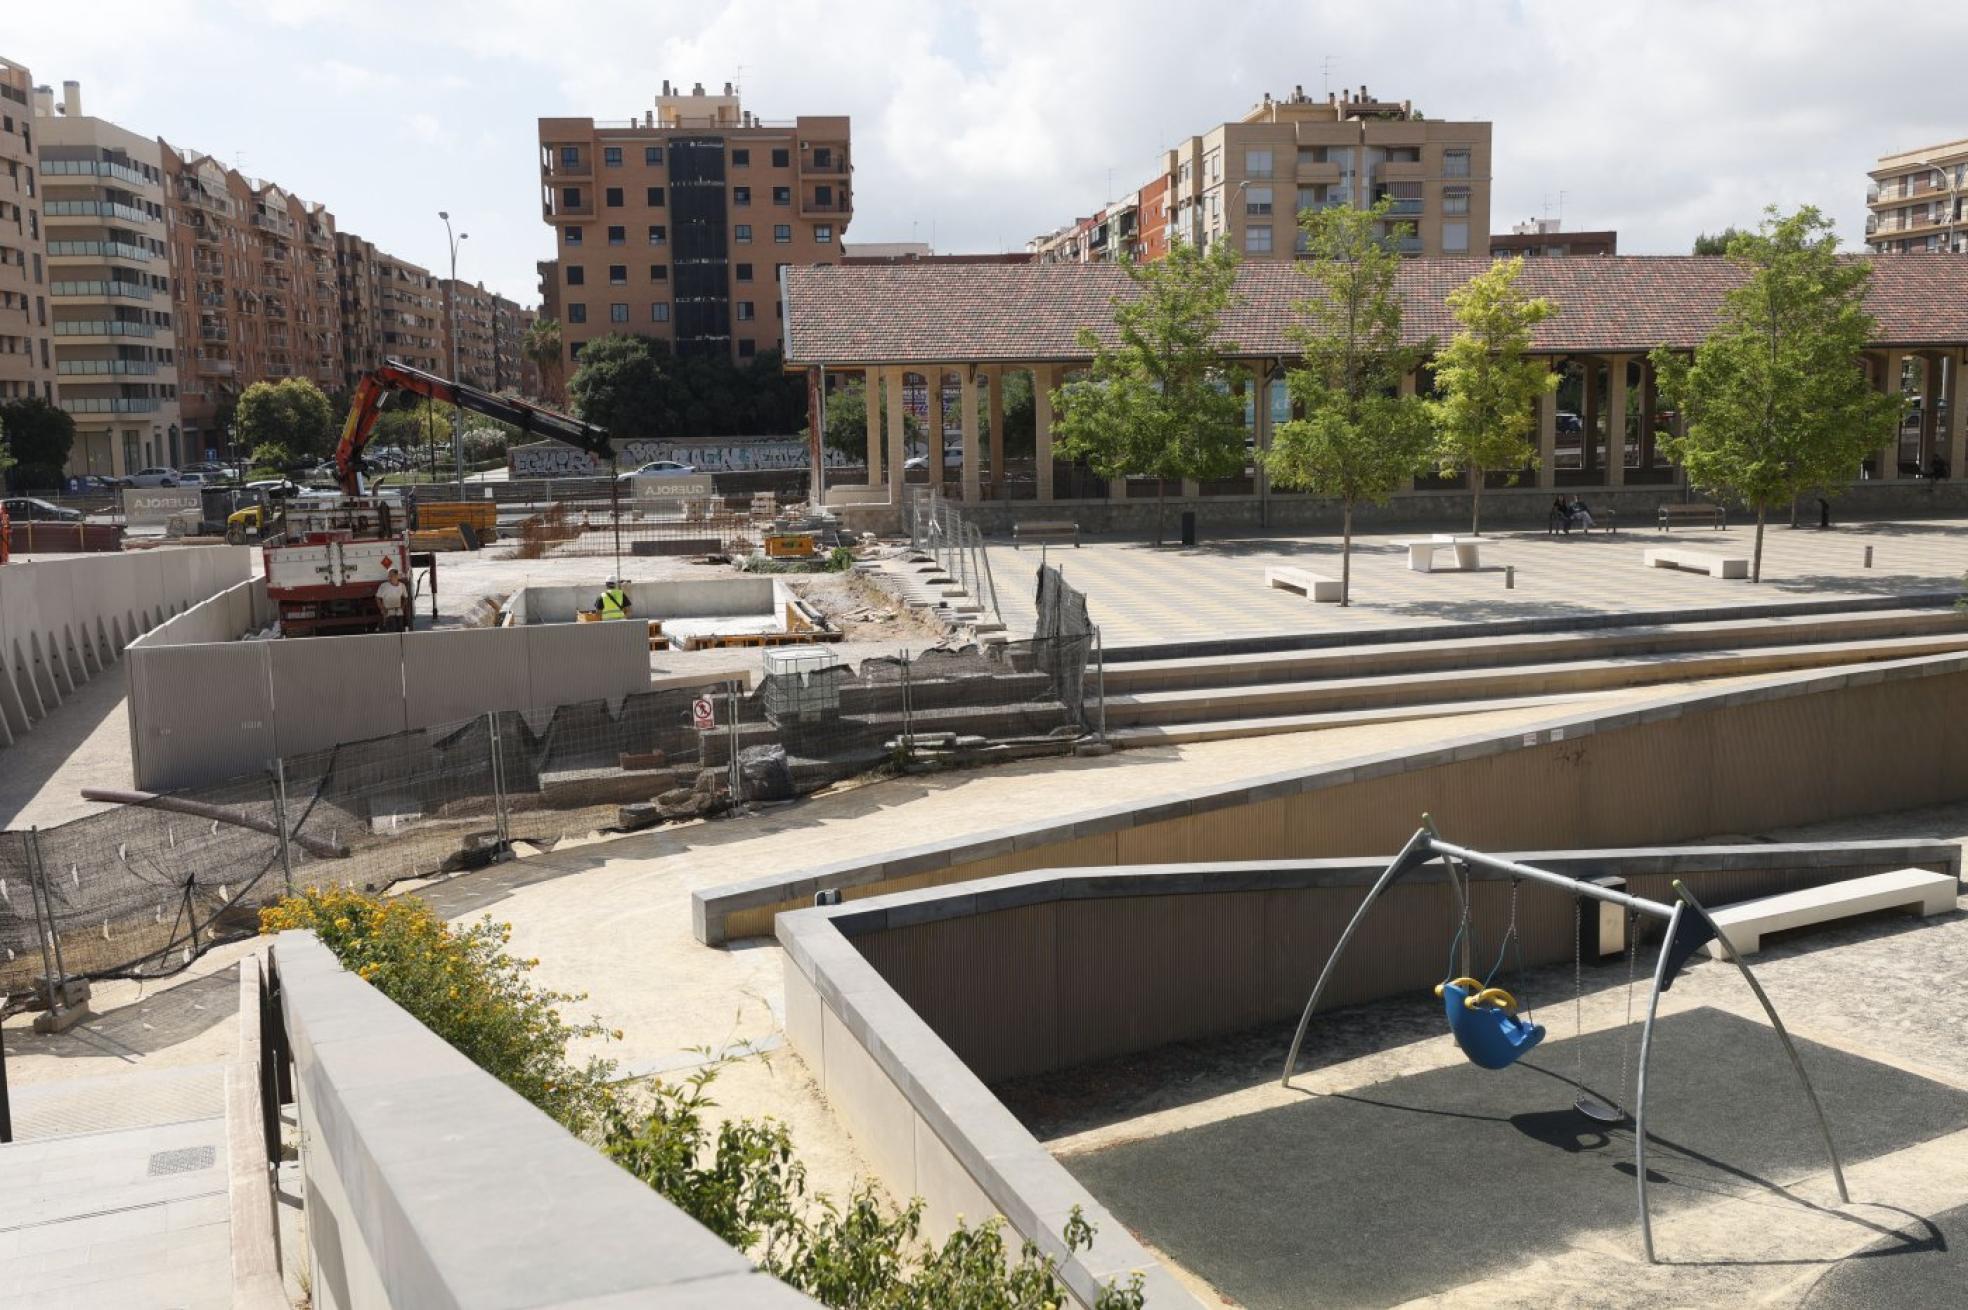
x=1632 y=954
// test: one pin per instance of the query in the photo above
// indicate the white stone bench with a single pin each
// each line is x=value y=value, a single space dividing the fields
x=1917 y=890
x=1316 y=586
x=1421 y=551
x=1697 y=561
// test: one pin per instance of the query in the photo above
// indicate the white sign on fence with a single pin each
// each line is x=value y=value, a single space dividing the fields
x=664 y=486
x=702 y=716
x=153 y=505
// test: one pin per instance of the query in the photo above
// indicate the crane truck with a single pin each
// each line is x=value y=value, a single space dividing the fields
x=323 y=573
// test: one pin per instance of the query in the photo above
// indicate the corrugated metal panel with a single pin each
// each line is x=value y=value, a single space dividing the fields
x=198 y=713
x=329 y=690
x=454 y=674
x=569 y=662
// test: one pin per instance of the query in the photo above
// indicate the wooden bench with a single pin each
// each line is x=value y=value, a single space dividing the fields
x=1697 y=561
x=1700 y=514
x=1045 y=530
x=1421 y=551
x=1316 y=586
x=1602 y=521
x=1918 y=891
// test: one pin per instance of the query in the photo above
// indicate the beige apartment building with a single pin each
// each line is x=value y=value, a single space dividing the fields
x=26 y=351
x=676 y=225
x=470 y=331
x=109 y=288
x=1917 y=201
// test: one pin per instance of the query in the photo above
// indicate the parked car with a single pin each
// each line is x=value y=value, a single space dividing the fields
x=274 y=488
x=89 y=484
x=23 y=509
x=1570 y=422
x=915 y=462
x=208 y=470
x=189 y=479
x=157 y=477
x=661 y=468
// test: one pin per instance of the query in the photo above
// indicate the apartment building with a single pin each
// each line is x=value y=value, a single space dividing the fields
x=390 y=309
x=109 y=288
x=469 y=334
x=1917 y=201
x=512 y=370
x=1545 y=238
x=1247 y=181
x=676 y=225
x=26 y=348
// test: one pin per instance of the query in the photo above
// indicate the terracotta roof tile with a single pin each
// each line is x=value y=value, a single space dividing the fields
x=923 y=314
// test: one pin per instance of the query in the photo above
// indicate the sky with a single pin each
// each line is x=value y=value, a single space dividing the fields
x=977 y=126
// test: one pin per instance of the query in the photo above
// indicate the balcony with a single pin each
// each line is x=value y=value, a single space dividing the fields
x=97 y=290
x=200 y=199
x=97 y=250
x=213 y=332
x=110 y=404
x=102 y=328
x=838 y=207
x=1310 y=170
x=104 y=367
x=555 y=167
x=1398 y=170
x=60 y=211
x=276 y=223
x=94 y=168
x=825 y=161
x=319 y=237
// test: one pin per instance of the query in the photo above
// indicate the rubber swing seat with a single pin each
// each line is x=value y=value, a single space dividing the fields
x=1480 y=1019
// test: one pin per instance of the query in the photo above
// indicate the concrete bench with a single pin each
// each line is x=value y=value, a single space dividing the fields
x=1316 y=586
x=1045 y=530
x=1917 y=890
x=1698 y=561
x=1421 y=551
x=1701 y=514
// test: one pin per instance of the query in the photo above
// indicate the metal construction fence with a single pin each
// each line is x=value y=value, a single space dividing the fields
x=939 y=528
x=141 y=890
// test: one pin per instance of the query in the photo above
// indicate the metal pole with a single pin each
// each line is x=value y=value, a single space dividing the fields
x=737 y=778
x=45 y=918
x=1639 y=905
x=457 y=414
x=1640 y=1081
x=1100 y=679
x=498 y=780
x=280 y=817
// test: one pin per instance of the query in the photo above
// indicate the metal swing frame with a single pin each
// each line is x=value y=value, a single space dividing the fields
x=1689 y=928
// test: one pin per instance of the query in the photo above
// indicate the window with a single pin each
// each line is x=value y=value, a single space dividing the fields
x=744 y=272
x=612 y=197
x=741 y=196
x=824 y=233
x=1257 y=200
x=655 y=197
x=658 y=234
x=741 y=159
x=782 y=232
x=570 y=156
x=1455 y=163
x=781 y=157
x=573 y=236
x=1182 y=173
x=577 y=313
x=1311 y=197
x=1455 y=238
x=823 y=157
x=1257 y=240
x=747 y=348
x=618 y=313
x=782 y=195
x=612 y=156
x=652 y=154
x=742 y=233
x=570 y=197
x=1257 y=163
x=618 y=236
x=1455 y=200
x=659 y=313
x=823 y=197
x=746 y=311
x=576 y=275
x=1404 y=154
x=618 y=275
x=659 y=272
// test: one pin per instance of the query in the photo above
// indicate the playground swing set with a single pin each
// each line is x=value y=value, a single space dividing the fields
x=1494 y=1032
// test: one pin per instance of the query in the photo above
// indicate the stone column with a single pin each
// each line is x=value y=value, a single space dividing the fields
x=896 y=434
x=1930 y=391
x=997 y=377
x=1042 y=427
x=967 y=380
x=1548 y=434
x=1957 y=439
x=871 y=382
x=1616 y=420
x=1886 y=376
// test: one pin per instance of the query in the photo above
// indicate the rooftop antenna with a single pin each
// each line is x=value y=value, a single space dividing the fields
x=1326 y=68
x=1561 y=209
x=738 y=84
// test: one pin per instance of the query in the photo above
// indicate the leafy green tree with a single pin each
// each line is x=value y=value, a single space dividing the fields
x=292 y=412
x=542 y=345
x=847 y=421
x=1020 y=416
x=415 y=427
x=1776 y=399
x=1161 y=401
x=1487 y=387
x=1359 y=439
x=38 y=438
x=622 y=387
x=272 y=456
x=1717 y=243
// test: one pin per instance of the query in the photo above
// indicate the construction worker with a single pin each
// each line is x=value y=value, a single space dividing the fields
x=393 y=599
x=613 y=603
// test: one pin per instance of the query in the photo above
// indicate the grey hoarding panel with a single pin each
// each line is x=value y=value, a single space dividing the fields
x=571 y=662
x=154 y=505
x=199 y=713
x=462 y=672
x=336 y=689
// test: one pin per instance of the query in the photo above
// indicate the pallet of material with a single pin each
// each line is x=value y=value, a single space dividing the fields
x=481 y=515
x=437 y=539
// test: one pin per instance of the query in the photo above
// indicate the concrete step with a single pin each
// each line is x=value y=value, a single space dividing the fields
x=1266 y=700
x=1227 y=729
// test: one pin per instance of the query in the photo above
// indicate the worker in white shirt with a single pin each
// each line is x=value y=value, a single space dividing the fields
x=393 y=598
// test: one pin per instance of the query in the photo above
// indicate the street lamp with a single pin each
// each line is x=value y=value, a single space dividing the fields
x=451 y=295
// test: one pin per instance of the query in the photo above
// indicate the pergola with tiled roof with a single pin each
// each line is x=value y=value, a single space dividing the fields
x=980 y=321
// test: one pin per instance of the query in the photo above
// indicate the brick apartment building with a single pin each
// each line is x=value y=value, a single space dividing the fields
x=1246 y=182
x=391 y=309
x=676 y=225
x=27 y=362
x=1917 y=201
x=468 y=333
x=1545 y=238
x=511 y=369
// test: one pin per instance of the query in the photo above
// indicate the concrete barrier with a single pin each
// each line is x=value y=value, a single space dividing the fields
x=429 y=1183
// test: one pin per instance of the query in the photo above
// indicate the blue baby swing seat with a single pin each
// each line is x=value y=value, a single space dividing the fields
x=1480 y=1018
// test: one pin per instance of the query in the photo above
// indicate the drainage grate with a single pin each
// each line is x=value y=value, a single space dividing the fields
x=183 y=1160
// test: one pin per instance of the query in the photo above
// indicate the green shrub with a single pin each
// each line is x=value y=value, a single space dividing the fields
x=840 y=559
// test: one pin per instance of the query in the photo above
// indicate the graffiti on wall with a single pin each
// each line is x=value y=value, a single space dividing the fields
x=554 y=459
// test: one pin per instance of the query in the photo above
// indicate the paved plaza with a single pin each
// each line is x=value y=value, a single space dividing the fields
x=1141 y=595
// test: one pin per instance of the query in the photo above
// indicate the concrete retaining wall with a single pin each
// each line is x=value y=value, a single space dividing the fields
x=706 y=598
x=62 y=622
x=1787 y=751
x=428 y=1183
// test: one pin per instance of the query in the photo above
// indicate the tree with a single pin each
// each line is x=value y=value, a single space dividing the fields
x=417 y=426
x=38 y=438
x=1717 y=244
x=1776 y=400
x=1486 y=388
x=623 y=388
x=1359 y=439
x=291 y=412
x=1162 y=400
x=542 y=346
x=847 y=421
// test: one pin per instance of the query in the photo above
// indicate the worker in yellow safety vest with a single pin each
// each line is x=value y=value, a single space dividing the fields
x=613 y=603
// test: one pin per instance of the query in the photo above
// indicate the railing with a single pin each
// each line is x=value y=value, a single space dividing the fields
x=939 y=528
x=279 y=223
x=110 y=405
x=100 y=328
x=95 y=209
x=203 y=199
x=127 y=290
x=104 y=249
x=89 y=367
x=94 y=168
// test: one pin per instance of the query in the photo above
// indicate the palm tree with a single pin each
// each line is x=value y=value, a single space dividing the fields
x=542 y=346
